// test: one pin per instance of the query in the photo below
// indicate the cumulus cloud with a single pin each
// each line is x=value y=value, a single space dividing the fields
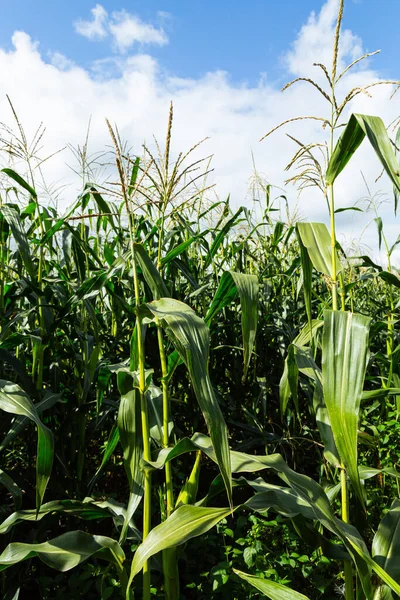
x=96 y=28
x=123 y=28
x=134 y=91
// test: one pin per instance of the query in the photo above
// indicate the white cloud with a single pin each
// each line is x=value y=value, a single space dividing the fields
x=96 y=28
x=123 y=28
x=127 y=30
x=134 y=92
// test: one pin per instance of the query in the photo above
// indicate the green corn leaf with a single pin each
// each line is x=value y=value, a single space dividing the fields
x=316 y=239
x=102 y=204
x=386 y=542
x=14 y=221
x=312 y=502
x=379 y=225
x=12 y=488
x=21 y=181
x=186 y=522
x=221 y=236
x=112 y=443
x=359 y=127
x=14 y=400
x=390 y=278
x=59 y=223
x=134 y=175
x=246 y=286
x=177 y=250
x=150 y=273
x=86 y=510
x=130 y=434
x=188 y=493
x=306 y=267
x=271 y=589
x=289 y=382
x=226 y=293
x=20 y=422
x=191 y=338
x=65 y=551
x=344 y=361
x=307 y=366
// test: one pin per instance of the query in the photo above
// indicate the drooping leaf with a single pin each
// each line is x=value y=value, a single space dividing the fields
x=12 y=487
x=21 y=181
x=14 y=221
x=14 y=400
x=191 y=338
x=318 y=243
x=87 y=510
x=246 y=286
x=271 y=589
x=390 y=278
x=65 y=551
x=221 y=236
x=20 y=422
x=386 y=542
x=344 y=361
x=359 y=127
x=186 y=522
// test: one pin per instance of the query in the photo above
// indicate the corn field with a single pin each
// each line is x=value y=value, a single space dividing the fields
x=198 y=400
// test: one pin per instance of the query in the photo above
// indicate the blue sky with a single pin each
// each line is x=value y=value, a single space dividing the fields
x=245 y=39
x=223 y=65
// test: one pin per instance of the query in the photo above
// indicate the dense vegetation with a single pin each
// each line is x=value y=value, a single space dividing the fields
x=197 y=401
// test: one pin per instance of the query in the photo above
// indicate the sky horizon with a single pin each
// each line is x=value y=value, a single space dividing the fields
x=223 y=67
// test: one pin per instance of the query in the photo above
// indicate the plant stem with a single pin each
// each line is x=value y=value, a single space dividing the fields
x=348 y=569
x=164 y=371
x=334 y=280
x=145 y=422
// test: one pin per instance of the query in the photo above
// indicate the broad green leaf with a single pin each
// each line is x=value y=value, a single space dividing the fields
x=130 y=434
x=112 y=443
x=21 y=181
x=59 y=223
x=246 y=286
x=221 y=236
x=386 y=542
x=134 y=175
x=306 y=267
x=307 y=366
x=177 y=250
x=20 y=422
x=379 y=225
x=65 y=551
x=14 y=221
x=12 y=487
x=318 y=243
x=390 y=278
x=271 y=589
x=150 y=273
x=355 y=131
x=186 y=522
x=14 y=400
x=190 y=336
x=289 y=382
x=226 y=293
x=188 y=493
x=344 y=360
x=87 y=510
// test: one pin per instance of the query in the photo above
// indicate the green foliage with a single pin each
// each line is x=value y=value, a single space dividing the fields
x=201 y=403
